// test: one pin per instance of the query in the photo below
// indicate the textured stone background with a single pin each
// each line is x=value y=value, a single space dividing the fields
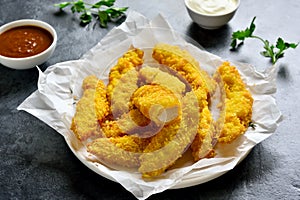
x=36 y=163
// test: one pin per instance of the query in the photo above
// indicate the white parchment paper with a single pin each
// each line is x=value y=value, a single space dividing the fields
x=59 y=87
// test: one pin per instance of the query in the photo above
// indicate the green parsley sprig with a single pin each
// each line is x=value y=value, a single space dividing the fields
x=252 y=125
x=104 y=10
x=272 y=51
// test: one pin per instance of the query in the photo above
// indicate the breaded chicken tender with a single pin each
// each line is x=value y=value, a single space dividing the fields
x=118 y=151
x=132 y=59
x=202 y=145
x=85 y=121
x=101 y=103
x=238 y=103
x=172 y=141
x=155 y=158
x=136 y=123
x=122 y=92
x=151 y=75
x=110 y=128
x=202 y=86
x=156 y=103
x=133 y=122
x=182 y=62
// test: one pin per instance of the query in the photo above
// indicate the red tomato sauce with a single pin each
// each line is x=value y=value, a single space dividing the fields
x=24 y=41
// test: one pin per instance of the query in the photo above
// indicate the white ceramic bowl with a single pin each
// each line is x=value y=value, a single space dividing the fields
x=31 y=61
x=207 y=20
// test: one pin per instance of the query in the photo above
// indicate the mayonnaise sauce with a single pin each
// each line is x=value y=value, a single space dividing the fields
x=213 y=7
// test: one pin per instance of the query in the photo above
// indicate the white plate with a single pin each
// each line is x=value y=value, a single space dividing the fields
x=53 y=104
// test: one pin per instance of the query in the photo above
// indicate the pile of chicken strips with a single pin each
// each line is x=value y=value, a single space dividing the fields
x=147 y=116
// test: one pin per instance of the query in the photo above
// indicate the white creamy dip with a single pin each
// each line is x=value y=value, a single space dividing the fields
x=213 y=7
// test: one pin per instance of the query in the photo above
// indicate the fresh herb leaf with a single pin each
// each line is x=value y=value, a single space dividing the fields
x=86 y=17
x=252 y=125
x=108 y=3
x=103 y=18
x=271 y=51
x=116 y=12
x=282 y=46
x=104 y=14
x=78 y=6
x=242 y=34
x=62 y=5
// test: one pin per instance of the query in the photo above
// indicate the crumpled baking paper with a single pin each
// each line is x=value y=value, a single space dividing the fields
x=59 y=87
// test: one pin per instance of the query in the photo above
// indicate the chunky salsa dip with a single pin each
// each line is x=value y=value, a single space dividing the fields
x=24 y=41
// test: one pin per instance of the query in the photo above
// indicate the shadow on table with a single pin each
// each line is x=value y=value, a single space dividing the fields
x=250 y=172
x=210 y=39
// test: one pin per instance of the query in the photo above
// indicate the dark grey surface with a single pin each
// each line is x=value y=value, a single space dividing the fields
x=36 y=163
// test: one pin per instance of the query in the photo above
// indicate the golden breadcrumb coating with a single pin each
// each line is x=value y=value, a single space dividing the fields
x=202 y=145
x=147 y=117
x=85 y=122
x=101 y=103
x=122 y=92
x=118 y=151
x=172 y=141
x=132 y=59
x=238 y=103
x=136 y=123
x=156 y=76
x=202 y=86
x=110 y=128
x=133 y=122
x=90 y=82
x=156 y=102
x=182 y=62
x=155 y=160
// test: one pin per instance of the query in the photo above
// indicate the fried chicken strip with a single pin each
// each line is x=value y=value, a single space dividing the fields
x=238 y=103
x=118 y=151
x=171 y=142
x=155 y=76
x=100 y=100
x=123 y=81
x=121 y=95
x=133 y=122
x=202 y=86
x=157 y=103
x=202 y=145
x=182 y=62
x=85 y=121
